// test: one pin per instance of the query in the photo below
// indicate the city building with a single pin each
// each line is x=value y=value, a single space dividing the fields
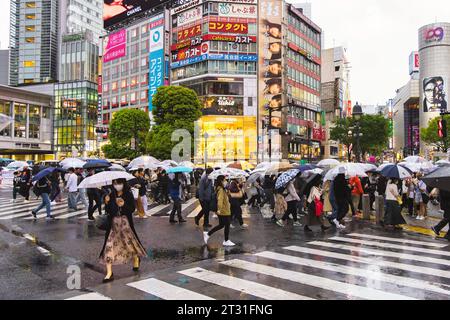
x=4 y=67
x=335 y=96
x=34 y=29
x=434 y=55
x=29 y=136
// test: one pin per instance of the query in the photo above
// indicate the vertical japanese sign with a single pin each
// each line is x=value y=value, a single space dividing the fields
x=270 y=84
x=116 y=46
x=156 y=59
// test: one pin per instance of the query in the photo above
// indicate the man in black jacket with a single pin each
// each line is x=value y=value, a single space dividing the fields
x=444 y=198
x=205 y=196
x=43 y=190
x=94 y=195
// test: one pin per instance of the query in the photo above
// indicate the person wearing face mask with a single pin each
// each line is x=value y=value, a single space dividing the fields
x=223 y=212
x=175 y=190
x=122 y=244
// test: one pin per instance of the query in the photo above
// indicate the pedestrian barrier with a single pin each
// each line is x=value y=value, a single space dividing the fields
x=379 y=213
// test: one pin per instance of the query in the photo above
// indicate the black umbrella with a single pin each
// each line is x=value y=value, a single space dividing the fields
x=438 y=179
x=97 y=164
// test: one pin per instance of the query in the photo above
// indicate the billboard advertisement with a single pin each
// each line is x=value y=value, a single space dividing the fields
x=116 y=46
x=237 y=10
x=270 y=85
x=116 y=11
x=189 y=16
x=156 y=59
x=414 y=62
x=228 y=27
x=435 y=97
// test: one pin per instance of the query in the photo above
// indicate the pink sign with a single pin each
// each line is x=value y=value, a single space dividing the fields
x=116 y=47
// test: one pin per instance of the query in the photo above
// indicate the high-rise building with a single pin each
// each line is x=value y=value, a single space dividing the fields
x=33 y=41
x=4 y=67
x=335 y=95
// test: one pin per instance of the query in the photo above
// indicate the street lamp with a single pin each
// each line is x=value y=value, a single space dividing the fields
x=357 y=115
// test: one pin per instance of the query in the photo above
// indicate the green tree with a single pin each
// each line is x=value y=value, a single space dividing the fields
x=430 y=134
x=339 y=132
x=128 y=131
x=175 y=108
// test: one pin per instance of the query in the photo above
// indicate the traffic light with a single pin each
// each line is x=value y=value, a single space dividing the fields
x=442 y=128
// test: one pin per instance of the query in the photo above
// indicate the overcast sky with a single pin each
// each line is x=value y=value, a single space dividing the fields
x=380 y=34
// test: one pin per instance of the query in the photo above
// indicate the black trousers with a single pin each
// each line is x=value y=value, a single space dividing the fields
x=410 y=202
x=206 y=208
x=98 y=204
x=224 y=222
x=269 y=198
x=55 y=192
x=176 y=209
x=442 y=225
x=236 y=211
x=292 y=209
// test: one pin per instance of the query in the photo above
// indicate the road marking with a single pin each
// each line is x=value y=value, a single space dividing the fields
x=28 y=214
x=29 y=207
x=315 y=281
x=54 y=213
x=158 y=209
x=245 y=286
x=375 y=275
x=390 y=246
x=45 y=252
x=167 y=291
x=71 y=215
x=90 y=296
x=382 y=253
x=421 y=243
x=195 y=212
x=371 y=261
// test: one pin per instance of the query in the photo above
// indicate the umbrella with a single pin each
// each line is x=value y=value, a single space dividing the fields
x=438 y=179
x=305 y=167
x=351 y=170
x=426 y=167
x=116 y=167
x=384 y=165
x=46 y=172
x=228 y=172
x=103 y=179
x=415 y=159
x=286 y=177
x=188 y=164
x=17 y=165
x=310 y=173
x=254 y=176
x=66 y=160
x=396 y=171
x=180 y=170
x=279 y=167
x=144 y=162
x=368 y=167
x=328 y=163
x=97 y=164
x=72 y=163
x=264 y=165
x=169 y=163
x=241 y=165
x=443 y=163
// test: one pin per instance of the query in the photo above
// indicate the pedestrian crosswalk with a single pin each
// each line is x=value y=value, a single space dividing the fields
x=354 y=266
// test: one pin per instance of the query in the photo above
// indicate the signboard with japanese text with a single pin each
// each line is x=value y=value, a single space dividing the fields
x=237 y=1
x=228 y=27
x=237 y=10
x=185 y=6
x=116 y=46
x=220 y=57
x=189 y=16
x=229 y=38
x=189 y=33
x=156 y=58
x=191 y=52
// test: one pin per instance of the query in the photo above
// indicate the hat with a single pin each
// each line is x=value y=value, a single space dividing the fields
x=341 y=170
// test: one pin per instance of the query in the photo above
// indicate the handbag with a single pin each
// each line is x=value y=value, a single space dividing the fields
x=135 y=192
x=101 y=222
x=400 y=200
x=319 y=207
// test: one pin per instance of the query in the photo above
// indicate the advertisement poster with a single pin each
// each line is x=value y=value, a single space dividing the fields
x=435 y=94
x=270 y=86
x=228 y=27
x=116 y=11
x=189 y=16
x=156 y=60
x=237 y=10
x=116 y=46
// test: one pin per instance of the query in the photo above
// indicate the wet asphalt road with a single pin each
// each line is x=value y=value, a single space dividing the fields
x=35 y=256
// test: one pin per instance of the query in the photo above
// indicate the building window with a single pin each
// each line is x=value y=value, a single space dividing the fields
x=20 y=121
x=35 y=122
x=29 y=64
x=5 y=108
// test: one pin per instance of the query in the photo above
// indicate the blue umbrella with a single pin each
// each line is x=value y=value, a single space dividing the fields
x=46 y=172
x=180 y=170
x=286 y=177
x=396 y=171
x=97 y=164
x=305 y=167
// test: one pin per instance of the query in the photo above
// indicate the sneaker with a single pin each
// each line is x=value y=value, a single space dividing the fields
x=228 y=244
x=34 y=214
x=51 y=218
x=231 y=226
x=280 y=223
x=435 y=231
x=26 y=201
x=244 y=226
x=297 y=224
x=307 y=229
x=53 y=203
x=205 y=237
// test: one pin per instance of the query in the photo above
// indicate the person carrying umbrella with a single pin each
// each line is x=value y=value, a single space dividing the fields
x=269 y=188
x=315 y=205
x=341 y=191
x=444 y=199
x=175 y=190
x=205 y=196
x=236 y=201
x=72 y=188
x=25 y=184
x=43 y=189
x=393 y=216
x=292 y=198
x=94 y=196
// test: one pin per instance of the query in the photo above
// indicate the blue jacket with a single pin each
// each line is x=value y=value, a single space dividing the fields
x=174 y=189
x=205 y=189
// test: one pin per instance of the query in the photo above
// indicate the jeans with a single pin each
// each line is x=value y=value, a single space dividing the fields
x=45 y=203
x=204 y=213
x=72 y=200
x=15 y=192
x=224 y=222
x=176 y=209
x=292 y=209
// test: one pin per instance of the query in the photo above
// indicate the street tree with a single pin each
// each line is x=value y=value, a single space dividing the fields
x=430 y=134
x=175 y=108
x=127 y=134
x=339 y=132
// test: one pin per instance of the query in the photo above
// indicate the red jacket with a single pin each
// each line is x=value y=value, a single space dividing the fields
x=357 y=189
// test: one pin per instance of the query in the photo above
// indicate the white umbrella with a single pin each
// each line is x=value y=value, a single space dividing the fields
x=426 y=167
x=143 y=162
x=264 y=165
x=328 y=163
x=103 y=179
x=187 y=164
x=443 y=162
x=168 y=163
x=116 y=167
x=415 y=159
x=368 y=166
x=230 y=173
x=351 y=170
x=17 y=165
x=66 y=160
x=73 y=163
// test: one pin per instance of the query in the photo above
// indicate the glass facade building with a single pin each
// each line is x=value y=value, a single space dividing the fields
x=75 y=117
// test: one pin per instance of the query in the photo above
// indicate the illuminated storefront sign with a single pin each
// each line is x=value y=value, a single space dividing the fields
x=229 y=38
x=189 y=16
x=220 y=57
x=236 y=10
x=189 y=33
x=228 y=27
x=156 y=59
x=191 y=52
x=116 y=46
x=186 y=5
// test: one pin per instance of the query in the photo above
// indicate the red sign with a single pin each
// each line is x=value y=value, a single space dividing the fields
x=229 y=38
x=191 y=52
x=189 y=33
x=317 y=134
x=229 y=27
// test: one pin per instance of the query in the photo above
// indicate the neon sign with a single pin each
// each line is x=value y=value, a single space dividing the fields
x=436 y=34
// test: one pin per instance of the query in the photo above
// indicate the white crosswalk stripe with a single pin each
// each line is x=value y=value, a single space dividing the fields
x=90 y=296
x=306 y=273
x=420 y=243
